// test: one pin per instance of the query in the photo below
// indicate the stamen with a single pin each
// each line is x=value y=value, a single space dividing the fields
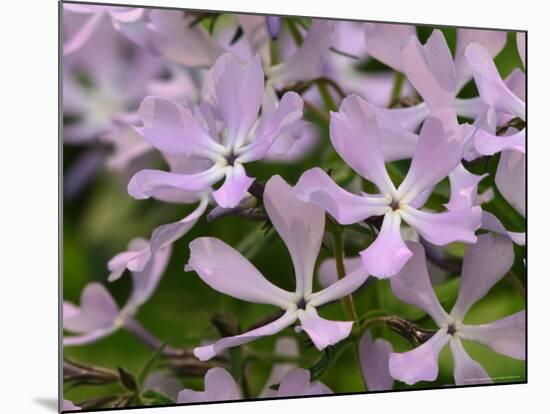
x=231 y=159
x=394 y=205
x=302 y=304
x=451 y=329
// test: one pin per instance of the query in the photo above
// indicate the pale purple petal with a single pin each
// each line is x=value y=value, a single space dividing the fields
x=445 y=227
x=374 y=357
x=132 y=24
x=84 y=33
x=224 y=269
x=128 y=145
x=219 y=385
x=315 y=186
x=420 y=364
x=463 y=188
x=345 y=286
x=510 y=179
x=505 y=336
x=306 y=62
x=412 y=285
x=97 y=310
x=163 y=382
x=323 y=332
x=485 y=263
x=234 y=188
x=328 y=274
x=173 y=129
x=68 y=405
x=286 y=347
x=165 y=235
x=388 y=253
x=207 y=352
x=238 y=90
x=430 y=69
x=384 y=42
x=490 y=222
x=521 y=44
x=181 y=43
x=288 y=112
x=297 y=383
x=134 y=259
x=149 y=183
x=355 y=136
x=466 y=370
x=273 y=26
x=489 y=144
x=438 y=152
x=492 y=40
x=301 y=226
x=492 y=88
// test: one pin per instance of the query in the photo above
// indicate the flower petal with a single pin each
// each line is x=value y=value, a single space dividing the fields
x=521 y=44
x=489 y=144
x=219 y=385
x=306 y=62
x=384 y=42
x=84 y=33
x=224 y=269
x=505 y=336
x=431 y=70
x=485 y=263
x=315 y=186
x=134 y=259
x=492 y=88
x=180 y=41
x=510 y=179
x=412 y=285
x=327 y=270
x=463 y=188
x=466 y=370
x=323 y=332
x=297 y=383
x=374 y=357
x=238 y=91
x=445 y=227
x=490 y=222
x=492 y=40
x=348 y=284
x=234 y=188
x=388 y=253
x=173 y=129
x=285 y=347
x=288 y=112
x=420 y=364
x=438 y=152
x=149 y=183
x=207 y=352
x=301 y=226
x=97 y=310
x=355 y=136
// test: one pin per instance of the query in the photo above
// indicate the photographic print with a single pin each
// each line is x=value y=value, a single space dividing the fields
x=260 y=207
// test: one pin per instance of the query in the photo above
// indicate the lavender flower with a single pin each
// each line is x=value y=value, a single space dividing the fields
x=301 y=226
x=355 y=136
x=485 y=263
x=222 y=134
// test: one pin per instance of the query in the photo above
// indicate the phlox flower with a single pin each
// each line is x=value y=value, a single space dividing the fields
x=219 y=385
x=99 y=315
x=68 y=405
x=430 y=69
x=355 y=136
x=221 y=135
x=129 y=21
x=485 y=263
x=301 y=226
x=374 y=357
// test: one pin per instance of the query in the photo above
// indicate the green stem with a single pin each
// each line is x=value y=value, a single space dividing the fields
x=398 y=82
x=338 y=252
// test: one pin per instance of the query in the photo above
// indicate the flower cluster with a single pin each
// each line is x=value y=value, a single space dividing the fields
x=387 y=187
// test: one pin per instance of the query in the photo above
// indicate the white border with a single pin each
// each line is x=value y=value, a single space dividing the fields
x=28 y=160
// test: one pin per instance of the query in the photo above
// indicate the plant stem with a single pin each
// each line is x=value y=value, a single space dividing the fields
x=398 y=81
x=338 y=252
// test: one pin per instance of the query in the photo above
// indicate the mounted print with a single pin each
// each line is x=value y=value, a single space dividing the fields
x=261 y=207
